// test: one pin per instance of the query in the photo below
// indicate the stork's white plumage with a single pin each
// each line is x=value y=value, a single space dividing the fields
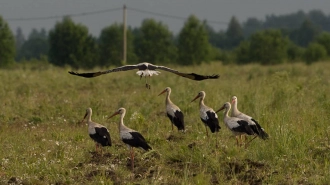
x=173 y=112
x=208 y=115
x=97 y=132
x=236 y=125
x=258 y=130
x=129 y=136
x=147 y=70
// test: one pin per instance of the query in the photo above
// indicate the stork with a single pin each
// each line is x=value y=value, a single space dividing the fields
x=236 y=125
x=173 y=112
x=207 y=115
x=97 y=132
x=257 y=129
x=147 y=70
x=129 y=136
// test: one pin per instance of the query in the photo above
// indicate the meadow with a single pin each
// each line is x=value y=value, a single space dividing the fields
x=43 y=141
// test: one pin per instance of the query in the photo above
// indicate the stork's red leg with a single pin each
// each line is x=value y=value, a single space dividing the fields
x=132 y=159
x=216 y=140
x=207 y=133
x=250 y=141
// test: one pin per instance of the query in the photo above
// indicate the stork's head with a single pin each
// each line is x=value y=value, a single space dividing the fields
x=225 y=106
x=200 y=95
x=234 y=99
x=119 y=111
x=88 y=112
x=167 y=89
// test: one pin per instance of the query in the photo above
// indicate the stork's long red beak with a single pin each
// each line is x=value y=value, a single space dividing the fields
x=195 y=98
x=113 y=114
x=162 y=92
x=223 y=107
x=83 y=118
x=232 y=101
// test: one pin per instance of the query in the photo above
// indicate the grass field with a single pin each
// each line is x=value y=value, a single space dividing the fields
x=43 y=141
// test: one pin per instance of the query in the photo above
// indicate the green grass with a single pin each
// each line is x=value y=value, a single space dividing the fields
x=43 y=141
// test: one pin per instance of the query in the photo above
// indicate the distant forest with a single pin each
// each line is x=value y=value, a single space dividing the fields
x=292 y=37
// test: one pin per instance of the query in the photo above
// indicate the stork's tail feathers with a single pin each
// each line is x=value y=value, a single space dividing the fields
x=146 y=147
x=147 y=73
x=260 y=131
x=262 y=134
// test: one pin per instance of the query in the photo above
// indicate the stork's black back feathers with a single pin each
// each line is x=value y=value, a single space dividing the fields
x=137 y=141
x=243 y=127
x=101 y=136
x=177 y=120
x=212 y=122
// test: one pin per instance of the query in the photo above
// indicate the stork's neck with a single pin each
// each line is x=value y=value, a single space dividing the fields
x=121 y=122
x=226 y=112
x=235 y=111
x=168 y=100
x=201 y=101
x=89 y=117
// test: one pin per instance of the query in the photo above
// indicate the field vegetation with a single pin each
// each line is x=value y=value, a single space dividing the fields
x=43 y=141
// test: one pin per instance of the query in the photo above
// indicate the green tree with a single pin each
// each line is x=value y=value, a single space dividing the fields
x=268 y=47
x=111 y=46
x=251 y=25
x=154 y=43
x=7 y=44
x=242 y=53
x=216 y=39
x=36 y=46
x=19 y=39
x=294 y=52
x=320 y=19
x=305 y=34
x=70 y=44
x=234 y=33
x=315 y=52
x=193 y=44
x=324 y=40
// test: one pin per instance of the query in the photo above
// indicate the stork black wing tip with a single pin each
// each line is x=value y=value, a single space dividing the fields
x=86 y=75
x=72 y=72
x=214 y=76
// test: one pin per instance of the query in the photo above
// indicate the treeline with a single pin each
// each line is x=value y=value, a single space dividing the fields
x=286 y=38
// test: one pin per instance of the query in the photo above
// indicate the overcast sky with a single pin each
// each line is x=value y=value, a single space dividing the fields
x=170 y=12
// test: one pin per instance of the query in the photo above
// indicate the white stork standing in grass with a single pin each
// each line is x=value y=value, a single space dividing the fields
x=173 y=112
x=147 y=70
x=129 y=136
x=236 y=125
x=257 y=129
x=96 y=131
x=207 y=115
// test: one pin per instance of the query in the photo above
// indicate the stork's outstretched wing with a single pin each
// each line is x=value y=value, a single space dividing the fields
x=95 y=74
x=192 y=76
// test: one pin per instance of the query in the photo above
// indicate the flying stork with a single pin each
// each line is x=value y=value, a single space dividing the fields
x=147 y=70
x=258 y=130
x=236 y=125
x=207 y=115
x=173 y=112
x=97 y=132
x=129 y=136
